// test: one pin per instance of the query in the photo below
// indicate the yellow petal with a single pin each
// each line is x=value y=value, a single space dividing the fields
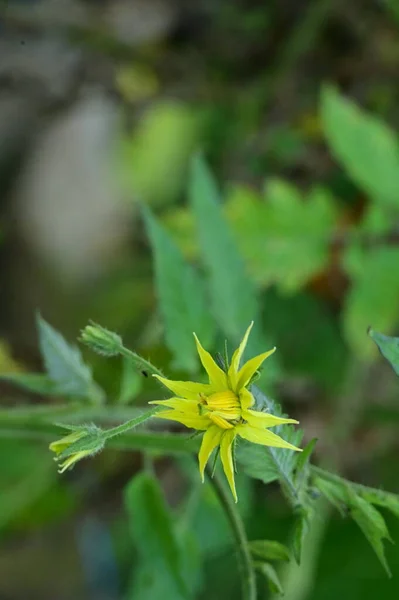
x=263 y=419
x=235 y=361
x=186 y=389
x=185 y=406
x=227 y=459
x=193 y=421
x=217 y=377
x=246 y=399
x=71 y=460
x=264 y=437
x=249 y=369
x=220 y=421
x=210 y=440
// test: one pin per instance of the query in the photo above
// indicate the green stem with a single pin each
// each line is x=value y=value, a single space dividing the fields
x=131 y=424
x=140 y=362
x=245 y=562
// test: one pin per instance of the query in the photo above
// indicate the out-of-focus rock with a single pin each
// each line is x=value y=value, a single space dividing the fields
x=137 y=22
x=68 y=205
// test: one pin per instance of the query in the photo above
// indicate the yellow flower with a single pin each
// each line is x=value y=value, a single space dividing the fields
x=222 y=408
x=61 y=445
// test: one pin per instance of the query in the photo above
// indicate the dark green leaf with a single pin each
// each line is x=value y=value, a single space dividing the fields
x=181 y=297
x=152 y=530
x=373 y=526
x=269 y=550
x=233 y=294
x=64 y=364
x=269 y=573
x=304 y=457
x=366 y=147
x=300 y=531
x=389 y=348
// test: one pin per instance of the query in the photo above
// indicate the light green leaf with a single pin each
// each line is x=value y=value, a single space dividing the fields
x=155 y=158
x=334 y=493
x=284 y=238
x=269 y=550
x=233 y=294
x=34 y=382
x=269 y=573
x=152 y=531
x=388 y=346
x=64 y=364
x=181 y=297
x=365 y=146
x=302 y=464
x=131 y=382
x=372 y=525
x=373 y=298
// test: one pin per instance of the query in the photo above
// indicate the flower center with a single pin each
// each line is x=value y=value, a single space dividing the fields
x=223 y=407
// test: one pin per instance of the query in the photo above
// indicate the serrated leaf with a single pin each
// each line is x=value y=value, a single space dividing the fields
x=181 y=297
x=373 y=298
x=64 y=364
x=34 y=382
x=388 y=346
x=372 y=525
x=334 y=493
x=269 y=464
x=233 y=294
x=152 y=530
x=365 y=146
x=269 y=550
x=284 y=238
x=269 y=573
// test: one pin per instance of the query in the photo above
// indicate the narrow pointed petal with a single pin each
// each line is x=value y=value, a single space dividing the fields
x=249 y=369
x=246 y=399
x=217 y=377
x=227 y=459
x=220 y=421
x=193 y=421
x=210 y=441
x=186 y=406
x=186 y=389
x=264 y=437
x=235 y=361
x=262 y=419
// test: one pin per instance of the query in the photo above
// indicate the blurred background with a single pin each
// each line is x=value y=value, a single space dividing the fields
x=102 y=105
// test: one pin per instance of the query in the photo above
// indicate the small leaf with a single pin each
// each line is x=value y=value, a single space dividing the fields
x=365 y=146
x=373 y=526
x=334 y=493
x=181 y=297
x=304 y=457
x=151 y=527
x=34 y=382
x=269 y=573
x=233 y=295
x=64 y=364
x=269 y=550
x=131 y=382
x=300 y=531
x=388 y=346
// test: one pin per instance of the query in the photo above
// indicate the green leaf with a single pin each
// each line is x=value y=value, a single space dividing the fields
x=284 y=238
x=152 y=530
x=34 y=382
x=388 y=346
x=372 y=525
x=269 y=573
x=304 y=458
x=365 y=146
x=64 y=364
x=131 y=382
x=269 y=464
x=233 y=294
x=373 y=298
x=269 y=550
x=336 y=494
x=300 y=532
x=181 y=297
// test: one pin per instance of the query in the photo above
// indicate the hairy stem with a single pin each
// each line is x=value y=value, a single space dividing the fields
x=247 y=572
